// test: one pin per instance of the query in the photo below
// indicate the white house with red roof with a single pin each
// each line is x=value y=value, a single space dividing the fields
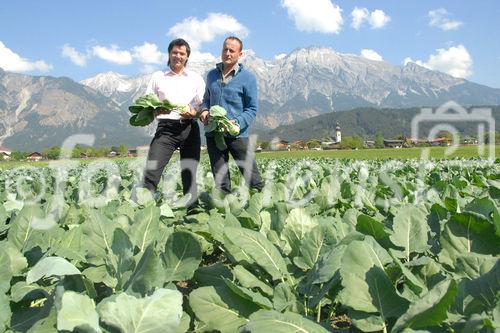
x=5 y=153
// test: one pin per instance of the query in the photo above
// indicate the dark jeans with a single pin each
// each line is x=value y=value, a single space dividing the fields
x=244 y=157
x=169 y=136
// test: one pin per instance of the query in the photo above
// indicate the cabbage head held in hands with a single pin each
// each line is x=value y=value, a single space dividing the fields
x=218 y=124
x=143 y=109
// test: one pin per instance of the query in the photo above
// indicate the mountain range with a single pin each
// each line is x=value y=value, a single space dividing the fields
x=38 y=112
x=367 y=122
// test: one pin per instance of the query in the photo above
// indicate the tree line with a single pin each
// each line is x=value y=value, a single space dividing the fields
x=79 y=151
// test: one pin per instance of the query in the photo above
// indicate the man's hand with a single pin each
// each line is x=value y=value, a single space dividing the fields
x=204 y=116
x=161 y=111
x=234 y=123
x=191 y=114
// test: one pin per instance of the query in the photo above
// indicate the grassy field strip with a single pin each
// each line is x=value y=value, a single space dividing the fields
x=361 y=154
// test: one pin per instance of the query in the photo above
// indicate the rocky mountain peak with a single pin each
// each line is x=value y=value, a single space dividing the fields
x=109 y=82
x=435 y=79
x=315 y=80
x=312 y=56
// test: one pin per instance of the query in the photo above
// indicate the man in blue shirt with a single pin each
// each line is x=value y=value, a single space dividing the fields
x=233 y=87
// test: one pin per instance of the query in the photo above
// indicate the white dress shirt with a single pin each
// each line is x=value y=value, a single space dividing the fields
x=187 y=87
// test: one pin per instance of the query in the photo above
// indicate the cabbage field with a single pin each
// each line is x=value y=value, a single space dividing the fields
x=328 y=246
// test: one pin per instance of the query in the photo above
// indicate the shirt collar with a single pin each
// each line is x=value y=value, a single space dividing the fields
x=236 y=68
x=170 y=72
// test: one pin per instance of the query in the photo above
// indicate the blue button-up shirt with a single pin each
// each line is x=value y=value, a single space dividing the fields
x=238 y=96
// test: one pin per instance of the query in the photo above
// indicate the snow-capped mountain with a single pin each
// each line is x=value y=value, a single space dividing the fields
x=40 y=111
x=120 y=88
x=329 y=73
x=316 y=80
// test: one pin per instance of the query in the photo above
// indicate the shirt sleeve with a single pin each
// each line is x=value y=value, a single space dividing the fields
x=151 y=88
x=206 y=96
x=197 y=101
x=250 y=103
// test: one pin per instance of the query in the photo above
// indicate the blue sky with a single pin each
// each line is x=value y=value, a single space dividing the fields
x=81 y=39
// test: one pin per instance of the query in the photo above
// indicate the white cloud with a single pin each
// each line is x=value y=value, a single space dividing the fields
x=148 y=68
x=359 y=15
x=315 y=15
x=197 y=56
x=13 y=62
x=440 y=18
x=376 y=19
x=455 y=61
x=371 y=54
x=280 y=56
x=76 y=57
x=113 y=54
x=407 y=60
x=196 y=32
x=148 y=53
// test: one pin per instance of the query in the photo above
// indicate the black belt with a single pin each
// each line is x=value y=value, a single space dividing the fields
x=183 y=121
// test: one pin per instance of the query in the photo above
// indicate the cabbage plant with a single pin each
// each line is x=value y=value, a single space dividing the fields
x=218 y=124
x=144 y=107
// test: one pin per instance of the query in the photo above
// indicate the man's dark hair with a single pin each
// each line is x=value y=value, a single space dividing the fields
x=236 y=39
x=178 y=42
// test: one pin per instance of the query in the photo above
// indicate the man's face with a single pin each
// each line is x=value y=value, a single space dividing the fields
x=178 y=57
x=231 y=53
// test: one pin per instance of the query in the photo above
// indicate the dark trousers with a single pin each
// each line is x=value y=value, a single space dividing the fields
x=244 y=158
x=169 y=136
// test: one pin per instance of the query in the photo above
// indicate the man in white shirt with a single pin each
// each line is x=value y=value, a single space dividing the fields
x=179 y=86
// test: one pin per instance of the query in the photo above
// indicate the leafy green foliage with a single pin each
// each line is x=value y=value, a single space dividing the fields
x=274 y=321
x=219 y=308
x=182 y=256
x=77 y=311
x=394 y=246
x=50 y=266
x=367 y=287
x=430 y=310
x=218 y=124
x=143 y=109
x=160 y=312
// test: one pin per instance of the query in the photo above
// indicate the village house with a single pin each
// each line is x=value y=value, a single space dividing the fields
x=113 y=154
x=138 y=151
x=34 y=157
x=5 y=154
x=394 y=143
x=469 y=140
x=440 y=142
x=436 y=142
x=369 y=144
x=299 y=144
x=280 y=145
x=330 y=146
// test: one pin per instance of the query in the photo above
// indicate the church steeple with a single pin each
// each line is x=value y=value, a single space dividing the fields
x=338 y=133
